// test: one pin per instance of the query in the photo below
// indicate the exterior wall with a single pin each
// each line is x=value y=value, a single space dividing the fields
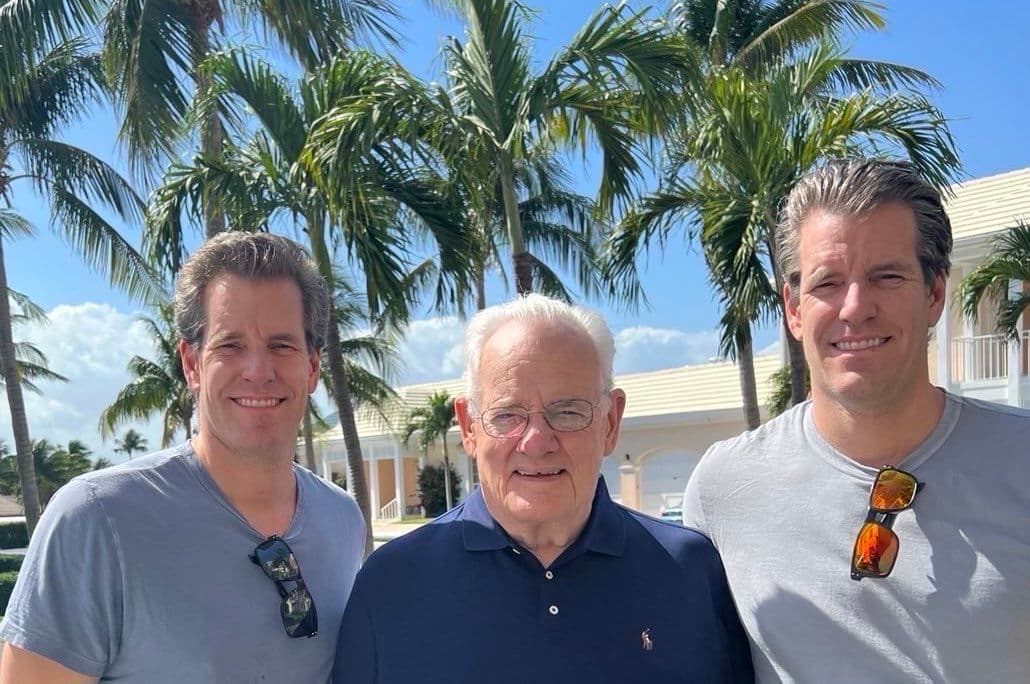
x=387 y=482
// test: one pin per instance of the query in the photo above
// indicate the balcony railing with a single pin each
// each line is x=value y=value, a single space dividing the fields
x=985 y=358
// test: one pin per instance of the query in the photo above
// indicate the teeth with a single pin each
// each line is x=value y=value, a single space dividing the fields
x=861 y=344
x=534 y=473
x=257 y=403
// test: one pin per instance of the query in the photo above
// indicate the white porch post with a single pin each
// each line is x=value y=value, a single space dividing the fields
x=421 y=465
x=1014 y=347
x=327 y=470
x=943 y=335
x=373 y=483
x=398 y=480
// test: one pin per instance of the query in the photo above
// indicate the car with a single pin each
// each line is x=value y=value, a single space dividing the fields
x=673 y=514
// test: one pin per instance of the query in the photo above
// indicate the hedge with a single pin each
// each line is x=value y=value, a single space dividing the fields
x=7 y=580
x=14 y=535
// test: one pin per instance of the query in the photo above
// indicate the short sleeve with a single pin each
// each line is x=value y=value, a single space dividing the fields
x=693 y=510
x=67 y=602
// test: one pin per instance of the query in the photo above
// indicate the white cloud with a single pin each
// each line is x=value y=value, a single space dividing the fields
x=642 y=348
x=90 y=344
x=431 y=350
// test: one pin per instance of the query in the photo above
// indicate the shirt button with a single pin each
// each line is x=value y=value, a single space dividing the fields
x=516 y=551
x=549 y=575
x=553 y=610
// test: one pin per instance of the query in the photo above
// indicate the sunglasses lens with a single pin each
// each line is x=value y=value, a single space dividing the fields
x=875 y=550
x=893 y=490
x=277 y=560
x=299 y=616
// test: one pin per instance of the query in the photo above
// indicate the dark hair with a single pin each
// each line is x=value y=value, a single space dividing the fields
x=257 y=256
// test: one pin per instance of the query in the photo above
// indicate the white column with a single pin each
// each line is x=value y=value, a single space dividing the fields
x=373 y=482
x=943 y=335
x=398 y=480
x=1014 y=347
x=327 y=470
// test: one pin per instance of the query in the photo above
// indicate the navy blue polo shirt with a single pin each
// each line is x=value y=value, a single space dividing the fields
x=633 y=599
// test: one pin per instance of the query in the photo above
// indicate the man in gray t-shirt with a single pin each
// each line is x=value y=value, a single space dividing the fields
x=936 y=587
x=220 y=560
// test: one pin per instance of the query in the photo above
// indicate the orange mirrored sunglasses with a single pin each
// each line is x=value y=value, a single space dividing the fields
x=876 y=547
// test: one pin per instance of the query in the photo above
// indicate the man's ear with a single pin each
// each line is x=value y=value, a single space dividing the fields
x=190 y=358
x=613 y=419
x=315 y=361
x=938 y=291
x=791 y=303
x=468 y=437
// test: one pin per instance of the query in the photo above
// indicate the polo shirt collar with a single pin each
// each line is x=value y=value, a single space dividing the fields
x=605 y=531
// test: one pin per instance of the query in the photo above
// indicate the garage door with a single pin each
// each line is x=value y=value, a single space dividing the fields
x=663 y=476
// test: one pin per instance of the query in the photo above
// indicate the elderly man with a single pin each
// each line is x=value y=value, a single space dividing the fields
x=218 y=560
x=539 y=577
x=881 y=531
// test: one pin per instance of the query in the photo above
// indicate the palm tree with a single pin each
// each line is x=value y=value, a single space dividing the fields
x=610 y=84
x=130 y=443
x=31 y=362
x=1009 y=260
x=44 y=89
x=432 y=422
x=156 y=386
x=747 y=142
x=154 y=50
x=380 y=195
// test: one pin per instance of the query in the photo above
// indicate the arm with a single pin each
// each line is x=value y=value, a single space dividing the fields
x=25 y=667
x=356 y=648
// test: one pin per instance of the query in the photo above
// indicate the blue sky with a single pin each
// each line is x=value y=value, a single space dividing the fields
x=979 y=52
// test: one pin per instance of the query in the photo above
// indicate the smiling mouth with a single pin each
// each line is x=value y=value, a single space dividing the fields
x=258 y=403
x=541 y=474
x=858 y=345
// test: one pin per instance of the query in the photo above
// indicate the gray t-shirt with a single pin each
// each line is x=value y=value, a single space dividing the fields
x=141 y=573
x=783 y=508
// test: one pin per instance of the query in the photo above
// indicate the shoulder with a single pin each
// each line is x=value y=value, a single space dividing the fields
x=683 y=544
x=998 y=416
x=426 y=545
x=749 y=448
x=327 y=494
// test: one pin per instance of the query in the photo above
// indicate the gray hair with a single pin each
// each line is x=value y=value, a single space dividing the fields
x=855 y=187
x=256 y=256
x=536 y=308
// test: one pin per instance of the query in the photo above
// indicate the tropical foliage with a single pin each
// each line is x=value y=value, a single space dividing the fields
x=432 y=422
x=1009 y=261
x=54 y=464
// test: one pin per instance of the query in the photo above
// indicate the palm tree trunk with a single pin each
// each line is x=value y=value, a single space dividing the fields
x=795 y=350
x=344 y=406
x=448 y=497
x=480 y=287
x=212 y=136
x=748 y=386
x=520 y=258
x=309 y=446
x=19 y=420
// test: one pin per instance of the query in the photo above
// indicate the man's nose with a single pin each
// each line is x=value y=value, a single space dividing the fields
x=859 y=303
x=257 y=366
x=538 y=437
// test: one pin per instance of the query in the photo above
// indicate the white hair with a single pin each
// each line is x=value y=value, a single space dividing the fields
x=536 y=308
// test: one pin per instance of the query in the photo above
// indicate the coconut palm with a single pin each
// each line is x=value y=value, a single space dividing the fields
x=156 y=386
x=610 y=85
x=747 y=142
x=380 y=195
x=432 y=422
x=1009 y=260
x=31 y=362
x=46 y=89
x=130 y=443
x=154 y=50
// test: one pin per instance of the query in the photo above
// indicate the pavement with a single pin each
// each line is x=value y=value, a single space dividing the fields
x=383 y=532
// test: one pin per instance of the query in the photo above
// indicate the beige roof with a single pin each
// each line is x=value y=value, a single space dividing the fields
x=989 y=204
x=704 y=387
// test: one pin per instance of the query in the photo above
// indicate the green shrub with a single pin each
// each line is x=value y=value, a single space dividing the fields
x=10 y=562
x=14 y=535
x=7 y=580
x=431 y=489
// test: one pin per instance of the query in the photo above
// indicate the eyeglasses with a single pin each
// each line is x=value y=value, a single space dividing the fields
x=569 y=415
x=876 y=547
x=300 y=619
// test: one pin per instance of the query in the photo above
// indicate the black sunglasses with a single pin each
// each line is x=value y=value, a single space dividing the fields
x=276 y=559
x=876 y=546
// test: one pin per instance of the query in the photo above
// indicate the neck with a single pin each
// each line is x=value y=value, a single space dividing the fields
x=546 y=541
x=262 y=488
x=879 y=436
